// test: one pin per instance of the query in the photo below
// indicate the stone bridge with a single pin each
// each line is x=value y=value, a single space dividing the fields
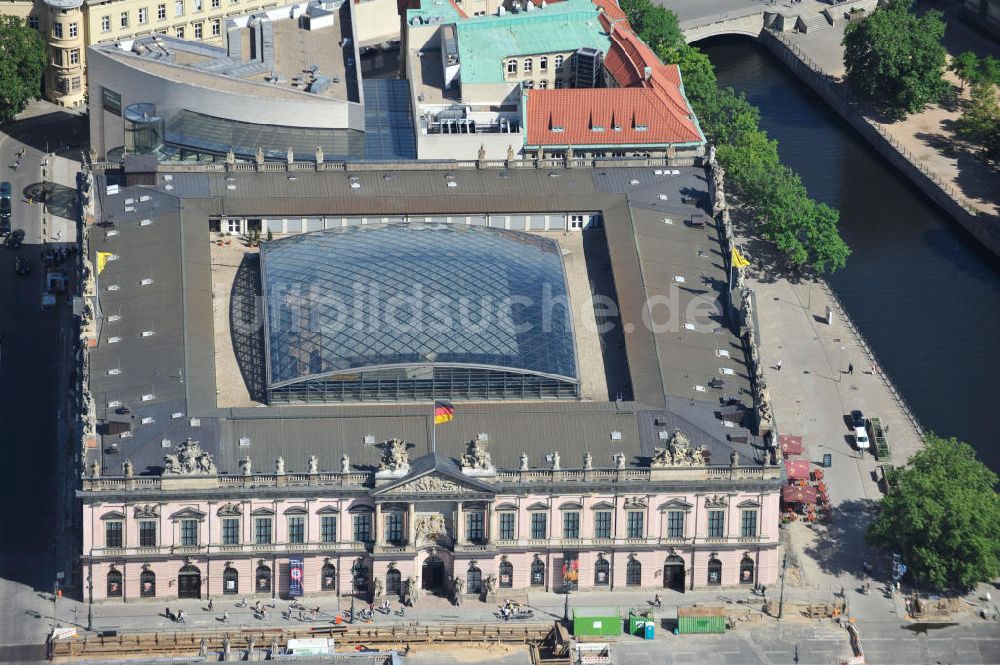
x=701 y=19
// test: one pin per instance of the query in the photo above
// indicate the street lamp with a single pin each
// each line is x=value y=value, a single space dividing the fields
x=90 y=592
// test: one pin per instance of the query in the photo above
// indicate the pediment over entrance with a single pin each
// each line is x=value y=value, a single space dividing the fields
x=433 y=484
x=436 y=476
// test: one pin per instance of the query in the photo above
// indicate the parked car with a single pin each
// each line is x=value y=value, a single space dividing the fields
x=22 y=265
x=858 y=419
x=861 y=438
x=5 y=190
x=14 y=240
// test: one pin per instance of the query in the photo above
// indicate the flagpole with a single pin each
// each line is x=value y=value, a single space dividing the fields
x=434 y=426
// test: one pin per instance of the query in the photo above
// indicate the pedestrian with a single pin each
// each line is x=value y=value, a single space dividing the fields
x=180 y=616
x=211 y=605
x=244 y=602
x=657 y=602
x=167 y=614
x=225 y=617
x=850 y=368
x=258 y=607
x=778 y=366
x=263 y=614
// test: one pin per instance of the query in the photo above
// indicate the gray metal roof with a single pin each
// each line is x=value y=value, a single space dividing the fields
x=176 y=365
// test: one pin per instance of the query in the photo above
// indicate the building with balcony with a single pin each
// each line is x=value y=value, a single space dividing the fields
x=260 y=421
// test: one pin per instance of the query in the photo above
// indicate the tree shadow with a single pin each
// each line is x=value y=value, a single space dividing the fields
x=840 y=546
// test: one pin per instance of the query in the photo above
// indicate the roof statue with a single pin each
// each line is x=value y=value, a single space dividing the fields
x=246 y=466
x=678 y=452
x=95 y=470
x=290 y=155
x=345 y=464
x=190 y=460
x=555 y=460
x=319 y=154
x=510 y=153
x=230 y=156
x=279 y=466
x=476 y=459
x=313 y=464
x=524 y=462
x=482 y=153
x=259 y=157
x=127 y=468
x=588 y=461
x=394 y=456
x=619 y=459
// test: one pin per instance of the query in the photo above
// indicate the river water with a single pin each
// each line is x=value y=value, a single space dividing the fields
x=922 y=290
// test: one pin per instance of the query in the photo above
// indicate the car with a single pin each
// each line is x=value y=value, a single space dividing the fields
x=5 y=190
x=4 y=226
x=861 y=438
x=14 y=240
x=858 y=418
x=22 y=265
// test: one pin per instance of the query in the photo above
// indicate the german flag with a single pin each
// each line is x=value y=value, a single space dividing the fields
x=443 y=412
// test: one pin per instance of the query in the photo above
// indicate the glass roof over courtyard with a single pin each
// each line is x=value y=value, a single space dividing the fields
x=416 y=311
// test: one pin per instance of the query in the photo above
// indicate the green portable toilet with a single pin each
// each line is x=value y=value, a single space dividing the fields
x=596 y=622
x=691 y=620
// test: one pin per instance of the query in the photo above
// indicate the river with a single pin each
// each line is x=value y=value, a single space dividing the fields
x=921 y=289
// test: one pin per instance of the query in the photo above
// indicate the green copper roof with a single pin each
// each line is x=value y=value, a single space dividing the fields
x=433 y=11
x=484 y=42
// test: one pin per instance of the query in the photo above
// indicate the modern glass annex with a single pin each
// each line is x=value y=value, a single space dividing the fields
x=416 y=311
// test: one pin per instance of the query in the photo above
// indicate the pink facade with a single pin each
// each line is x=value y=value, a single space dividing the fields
x=619 y=540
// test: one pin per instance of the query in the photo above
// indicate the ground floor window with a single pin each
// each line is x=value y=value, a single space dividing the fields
x=328 y=577
x=506 y=575
x=230 y=581
x=537 y=573
x=114 y=584
x=746 y=571
x=474 y=580
x=393 y=583
x=714 y=572
x=633 y=573
x=147 y=584
x=263 y=576
x=602 y=572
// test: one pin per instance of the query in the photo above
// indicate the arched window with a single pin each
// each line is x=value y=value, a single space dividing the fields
x=263 y=579
x=114 y=584
x=393 y=583
x=633 y=573
x=189 y=582
x=230 y=581
x=474 y=580
x=602 y=572
x=714 y=571
x=506 y=575
x=537 y=572
x=746 y=571
x=147 y=584
x=328 y=577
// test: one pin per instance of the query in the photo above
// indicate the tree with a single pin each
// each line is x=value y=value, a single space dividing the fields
x=943 y=516
x=21 y=66
x=980 y=121
x=966 y=67
x=654 y=24
x=895 y=59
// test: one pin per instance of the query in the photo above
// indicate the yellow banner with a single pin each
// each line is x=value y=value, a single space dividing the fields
x=738 y=260
x=102 y=261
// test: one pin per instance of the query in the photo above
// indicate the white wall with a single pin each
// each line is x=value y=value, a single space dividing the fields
x=376 y=21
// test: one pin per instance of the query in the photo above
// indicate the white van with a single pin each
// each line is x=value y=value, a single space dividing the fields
x=861 y=438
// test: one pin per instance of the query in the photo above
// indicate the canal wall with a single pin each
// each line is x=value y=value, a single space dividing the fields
x=985 y=229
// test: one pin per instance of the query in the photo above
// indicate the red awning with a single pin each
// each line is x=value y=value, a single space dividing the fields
x=798 y=469
x=790 y=445
x=797 y=494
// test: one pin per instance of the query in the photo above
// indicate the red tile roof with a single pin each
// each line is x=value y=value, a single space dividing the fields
x=649 y=96
x=605 y=116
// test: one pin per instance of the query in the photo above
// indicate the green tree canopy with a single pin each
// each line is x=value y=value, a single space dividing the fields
x=943 y=516
x=966 y=67
x=654 y=24
x=895 y=59
x=22 y=60
x=980 y=121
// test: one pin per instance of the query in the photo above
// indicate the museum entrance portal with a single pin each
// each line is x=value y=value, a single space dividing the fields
x=673 y=574
x=189 y=582
x=432 y=575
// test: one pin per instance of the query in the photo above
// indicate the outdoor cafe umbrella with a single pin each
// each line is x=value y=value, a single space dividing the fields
x=790 y=445
x=797 y=469
x=797 y=494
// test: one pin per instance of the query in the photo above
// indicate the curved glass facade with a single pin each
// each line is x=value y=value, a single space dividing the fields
x=416 y=311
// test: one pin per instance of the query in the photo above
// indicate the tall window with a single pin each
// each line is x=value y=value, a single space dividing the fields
x=147 y=584
x=512 y=66
x=112 y=534
x=231 y=531
x=57 y=30
x=543 y=63
x=216 y=27
x=230 y=581
x=363 y=527
x=179 y=8
x=296 y=529
x=114 y=584
x=474 y=526
x=143 y=15
x=105 y=24
x=147 y=533
x=474 y=580
x=216 y=4
x=33 y=22
x=179 y=32
x=716 y=523
x=394 y=528
x=537 y=573
x=539 y=526
x=675 y=524
x=197 y=5
x=74 y=56
x=262 y=530
x=73 y=30
x=636 y=524
x=506 y=575
x=602 y=524
x=262 y=579
x=328 y=528
x=528 y=63
x=189 y=533
x=559 y=63
x=507 y=524
x=602 y=572
x=714 y=572
x=124 y=19
x=633 y=573
x=199 y=30
x=748 y=523
x=571 y=524
x=161 y=12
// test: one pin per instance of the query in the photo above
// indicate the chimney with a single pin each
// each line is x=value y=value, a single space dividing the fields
x=647 y=73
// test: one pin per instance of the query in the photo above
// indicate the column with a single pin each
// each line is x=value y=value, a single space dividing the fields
x=491 y=526
x=459 y=523
x=410 y=525
x=379 y=536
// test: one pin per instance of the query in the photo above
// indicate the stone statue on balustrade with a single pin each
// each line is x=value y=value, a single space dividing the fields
x=394 y=456
x=619 y=459
x=523 y=462
x=379 y=588
x=476 y=460
x=458 y=588
x=190 y=460
x=588 y=461
x=345 y=464
x=246 y=466
x=279 y=466
x=678 y=452
x=313 y=465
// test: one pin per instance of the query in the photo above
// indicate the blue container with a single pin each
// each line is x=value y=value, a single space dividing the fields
x=650 y=630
